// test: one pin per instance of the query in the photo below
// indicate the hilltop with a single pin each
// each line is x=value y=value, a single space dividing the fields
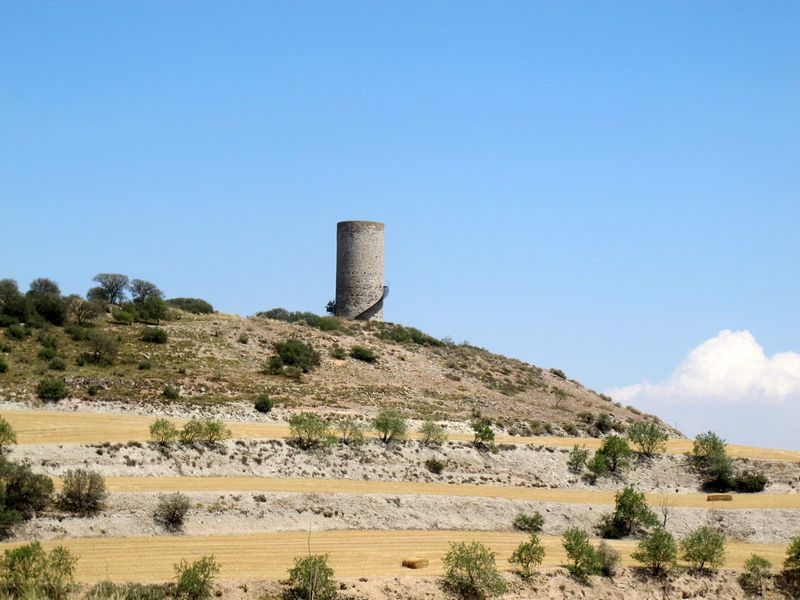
x=220 y=362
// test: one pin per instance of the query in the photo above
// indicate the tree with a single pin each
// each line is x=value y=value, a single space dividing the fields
x=29 y=571
x=757 y=571
x=312 y=579
x=616 y=451
x=112 y=285
x=163 y=432
x=351 y=432
x=7 y=435
x=707 y=446
x=791 y=565
x=484 y=434
x=528 y=555
x=391 y=425
x=308 y=430
x=658 y=551
x=51 y=390
x=529 y=522
x=580 y=552
x=577 y=458
x=102 y=349
x=151 y=310
x=171 y=511
x=45 y=296
x=83 y=312
x=704 y=547
x=470 y=571
x=44 y=287
x=195 y=580
x=84 y=492
x=330 y=307
x=561 y=395
x=649 y=436
x=630 y=515
x=432 y=433
x=141 y=290
x=14 y=307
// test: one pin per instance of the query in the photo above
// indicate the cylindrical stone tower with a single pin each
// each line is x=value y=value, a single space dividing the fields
x=359 y=270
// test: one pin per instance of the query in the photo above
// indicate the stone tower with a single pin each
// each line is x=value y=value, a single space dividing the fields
x=359 y=270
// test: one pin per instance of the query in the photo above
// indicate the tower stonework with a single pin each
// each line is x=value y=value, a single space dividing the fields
x=359 y=270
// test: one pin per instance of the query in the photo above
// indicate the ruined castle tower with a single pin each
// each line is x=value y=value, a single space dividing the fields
x=359 y=270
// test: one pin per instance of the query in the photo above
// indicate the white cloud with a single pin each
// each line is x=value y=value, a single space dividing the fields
x=731 y=367
x=728 y=384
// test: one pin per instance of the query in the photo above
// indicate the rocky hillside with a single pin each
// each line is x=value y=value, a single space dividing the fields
x=221 y=360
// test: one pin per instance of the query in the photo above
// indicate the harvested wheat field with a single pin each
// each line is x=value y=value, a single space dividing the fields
x=352 y=553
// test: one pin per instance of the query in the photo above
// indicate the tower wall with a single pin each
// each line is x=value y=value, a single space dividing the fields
x=359 y=270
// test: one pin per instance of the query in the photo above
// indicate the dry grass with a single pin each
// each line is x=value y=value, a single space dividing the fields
x=50 y=427
x=351 y=486
x=352 y=553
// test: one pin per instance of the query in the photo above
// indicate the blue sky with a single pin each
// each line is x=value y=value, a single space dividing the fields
x=595 y=186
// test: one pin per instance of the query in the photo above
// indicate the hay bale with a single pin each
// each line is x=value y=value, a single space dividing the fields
x=415 y=563
x=719 y=498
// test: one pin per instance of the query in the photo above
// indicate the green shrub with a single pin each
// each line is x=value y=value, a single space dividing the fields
x=195 y=581
x=294 y=353
x=24 y=494
x=616 y=452
x=791 y=565
x=170 y=393
x=580 y=553
x=597 y=466
x=704 y=547
x=83 y=492
x=391 y=426
x=312 y=579
x=470 y=571
x=77 y=333
x=607 y=559
x=577 y=458
x=312 y=320
x=586 y=417
x=3 y=365
x=363 y=353
x=709 y=455
x=484 y=434
x=57 y=364
x=351 y=432
x=528 y=555
x=603 y=423
x=145 y=365
x=102 y=349
x=163 y=432
x=757 y=572
x=658 y=551
x=122 y=316
x=192 y=305
x=401 y=334
x=48 y=340
x=29 y=572
x=51 y=390
x=570 y=429
x=558 y=373
x=631 y=515
x=7 y=435
x=243 y=338
x=47 y=354
x=338 y=352
x=208 y=431
x=532 y=522
x=434 y=465
x=154 y=335
x=750 y=482
x=263 y=403
x=648 y=436
x=17 y=332
x=92 y=389
x=308 y=430
x=171 y=511
x=432 y=433
x=108 y=590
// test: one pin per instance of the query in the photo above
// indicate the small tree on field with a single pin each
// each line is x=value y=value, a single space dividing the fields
x=470 y=571
x=577 y=458
x=616 y=452
x=580 y=553
x=650 y=437
x=163 y=432
x=195 y=580
x=351 y=433
x=528 y=555
x=7 y=435
x=30 y=572
x=141 y=290
x=560 y=394
x=432 y=433
x=631 y=514
x=82 y=312
x=312 y=579
x=484 y=434
x=171 y=511
x=391 y=426
x=84 y=492
x=658 y=552
x=111 y=287
x=102 y=350
x=529 y=522
x=308 y=430
x=704 y=547
x=757 y=572
x=791 y=565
